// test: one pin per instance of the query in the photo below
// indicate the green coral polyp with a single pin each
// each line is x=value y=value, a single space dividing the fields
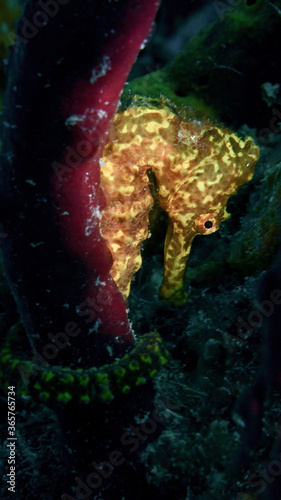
x=58 y=385
x=140 y=381
x=15 y=364
x=44 y=396
x=126 y=389
x=134 y=365
x=102 y=379
x=120 y=374
x=106 y=396
x=85 y=399
x=64 y=397
x=83 y=381
x=47 y=376
x=68 y=379
x=146 y=358
x=5 y=358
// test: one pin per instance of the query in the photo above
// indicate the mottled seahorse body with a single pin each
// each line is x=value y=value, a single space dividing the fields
x=197 y=167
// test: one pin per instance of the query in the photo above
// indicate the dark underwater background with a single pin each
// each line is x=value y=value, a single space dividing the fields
x=223 y=59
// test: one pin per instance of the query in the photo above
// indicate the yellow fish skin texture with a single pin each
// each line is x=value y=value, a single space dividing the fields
x=197 y=165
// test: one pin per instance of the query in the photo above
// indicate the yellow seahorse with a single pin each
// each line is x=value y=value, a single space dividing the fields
x=197 y=166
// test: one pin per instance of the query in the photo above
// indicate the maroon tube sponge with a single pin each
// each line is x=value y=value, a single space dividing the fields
x=89 y=110
x=65 y=77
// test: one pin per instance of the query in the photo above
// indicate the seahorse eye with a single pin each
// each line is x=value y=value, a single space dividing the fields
x=208 y=224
